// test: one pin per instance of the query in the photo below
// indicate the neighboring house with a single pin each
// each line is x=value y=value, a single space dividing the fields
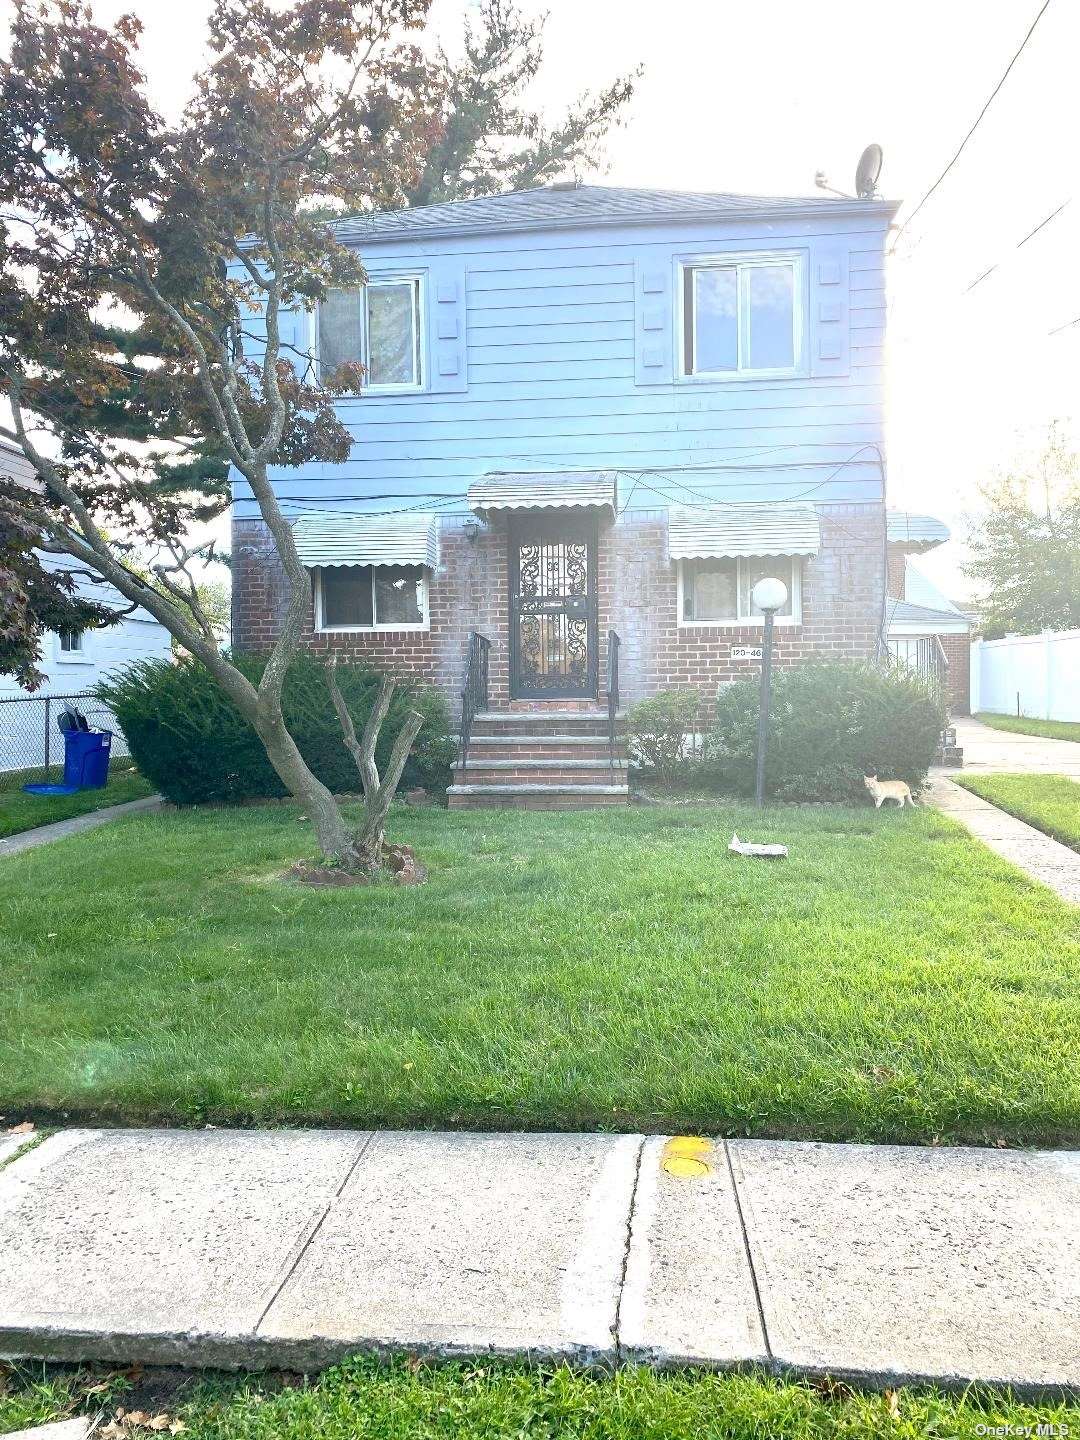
x=925 y=629
x=73 y=662
x=592 y=410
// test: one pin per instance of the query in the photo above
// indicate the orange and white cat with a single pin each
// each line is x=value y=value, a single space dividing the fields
x=883 y=790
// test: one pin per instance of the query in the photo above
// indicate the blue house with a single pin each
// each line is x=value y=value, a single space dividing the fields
x=593 y=418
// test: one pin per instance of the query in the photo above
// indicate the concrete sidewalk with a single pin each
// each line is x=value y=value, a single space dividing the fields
x=987 y=750
x=1038 y=855
x=293 y=1248
x=60 y=829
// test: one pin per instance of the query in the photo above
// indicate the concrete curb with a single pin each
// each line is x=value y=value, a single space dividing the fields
x=292 y=1249
x=61 y=829
x=1045 y=860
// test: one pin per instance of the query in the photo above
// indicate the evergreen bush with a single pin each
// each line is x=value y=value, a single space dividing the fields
x=191 y=742
x=660 y=732
x=831 y=723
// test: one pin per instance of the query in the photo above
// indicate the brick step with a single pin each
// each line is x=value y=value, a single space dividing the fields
x=543 y=747
x=535 y=797
x=545 y=772
x=532 y=722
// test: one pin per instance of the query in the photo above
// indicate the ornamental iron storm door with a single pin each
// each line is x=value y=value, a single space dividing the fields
x=553 y=613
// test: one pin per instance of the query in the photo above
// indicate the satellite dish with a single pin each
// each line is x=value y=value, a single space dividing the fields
x=867 y=172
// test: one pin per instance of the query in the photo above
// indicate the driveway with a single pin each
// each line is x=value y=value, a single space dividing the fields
x=987 y=750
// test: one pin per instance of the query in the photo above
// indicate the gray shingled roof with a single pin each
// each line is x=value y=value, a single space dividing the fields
x=904 y=612
x=553 y=207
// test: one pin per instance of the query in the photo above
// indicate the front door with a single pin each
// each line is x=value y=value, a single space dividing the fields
x=553 y=621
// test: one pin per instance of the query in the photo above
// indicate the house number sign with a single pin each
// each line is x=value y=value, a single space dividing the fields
x=746 y=652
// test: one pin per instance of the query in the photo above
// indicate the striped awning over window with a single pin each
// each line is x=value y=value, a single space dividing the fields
x=352 y=539
x=708 y=532
x=545 y=490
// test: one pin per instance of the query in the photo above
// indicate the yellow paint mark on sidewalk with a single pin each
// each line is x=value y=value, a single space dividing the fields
x=682 y=1155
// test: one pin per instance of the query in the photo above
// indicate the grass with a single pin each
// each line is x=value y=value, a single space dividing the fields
x=892 y=980
x=19 y=811
x=493 y=1400
x=1021 y=725
x=1049 y=802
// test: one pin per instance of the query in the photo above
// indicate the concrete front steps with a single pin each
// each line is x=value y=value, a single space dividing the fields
x=545 y=757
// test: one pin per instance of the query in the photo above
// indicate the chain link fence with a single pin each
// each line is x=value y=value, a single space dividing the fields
x=31 y=743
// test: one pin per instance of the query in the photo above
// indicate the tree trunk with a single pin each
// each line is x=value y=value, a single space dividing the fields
x=378 y=794
x=335 y=842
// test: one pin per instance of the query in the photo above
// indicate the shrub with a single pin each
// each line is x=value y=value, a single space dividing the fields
x=190 y=741
x=832 y=722
x=657 y=730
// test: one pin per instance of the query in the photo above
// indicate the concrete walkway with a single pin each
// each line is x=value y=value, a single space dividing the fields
x=1046 y=860
x=45 y=834
x=987 y=750
x=292 y=1248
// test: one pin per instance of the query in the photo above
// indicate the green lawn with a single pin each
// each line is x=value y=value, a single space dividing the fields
x=1049 y=802
x=19 y=811
x=501 y=1401
x=1021 y=725
x=892 y=980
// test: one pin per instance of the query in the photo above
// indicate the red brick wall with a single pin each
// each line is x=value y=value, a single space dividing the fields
x=637 y=595
x=958 y=653
x=897 y=573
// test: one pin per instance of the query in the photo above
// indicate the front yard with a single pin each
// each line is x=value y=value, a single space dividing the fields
x=19 y=811
x=1021 y=725
x=1049 y=802
x=892 y=980
x=495 y=1399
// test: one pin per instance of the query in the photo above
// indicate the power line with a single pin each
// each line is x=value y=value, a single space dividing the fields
x=1041 y=226
x=1067 y=326
x=978 y=120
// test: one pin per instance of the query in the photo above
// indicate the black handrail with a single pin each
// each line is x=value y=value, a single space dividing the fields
x=474 y=695
x=613 y=645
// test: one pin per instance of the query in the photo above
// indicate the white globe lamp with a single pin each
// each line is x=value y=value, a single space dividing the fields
x=769 y=595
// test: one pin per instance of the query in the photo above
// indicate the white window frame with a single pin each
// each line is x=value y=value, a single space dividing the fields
x=742 y=262
x=72 y=657
x=323 y=629
x=419 y=280
x=741 y=623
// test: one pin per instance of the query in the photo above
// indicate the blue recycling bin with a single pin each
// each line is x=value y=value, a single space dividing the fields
x=86 y=758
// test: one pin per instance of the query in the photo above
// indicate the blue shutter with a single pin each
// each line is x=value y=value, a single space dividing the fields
x=447 y=345
x=830 y=309
x=654 y=316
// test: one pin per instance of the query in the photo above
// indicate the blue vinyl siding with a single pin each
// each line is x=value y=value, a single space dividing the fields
x=551 y=331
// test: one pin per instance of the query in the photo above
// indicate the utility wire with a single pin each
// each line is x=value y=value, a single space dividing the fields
x=1041 y=226
x=978 y=120
x=1067 y=326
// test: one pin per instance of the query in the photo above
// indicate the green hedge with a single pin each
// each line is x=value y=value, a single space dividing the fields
x=831 y=723
x=195 y=747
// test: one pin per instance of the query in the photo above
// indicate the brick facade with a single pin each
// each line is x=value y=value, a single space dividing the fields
x=958 y=653
x=842 y=605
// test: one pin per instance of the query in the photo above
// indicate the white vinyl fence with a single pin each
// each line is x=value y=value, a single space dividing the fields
x=1033 y=675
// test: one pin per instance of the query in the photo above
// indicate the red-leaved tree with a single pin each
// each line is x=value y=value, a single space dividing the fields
x=122 y=233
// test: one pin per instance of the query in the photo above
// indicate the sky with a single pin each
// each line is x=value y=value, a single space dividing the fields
x=757 y=98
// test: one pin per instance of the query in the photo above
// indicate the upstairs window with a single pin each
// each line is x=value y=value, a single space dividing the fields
x=717 y=591
x=71 y=642
x=379 y=326
x=741 y=316
x=371 y=597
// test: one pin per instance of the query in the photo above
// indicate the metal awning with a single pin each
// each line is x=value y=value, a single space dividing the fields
x=545 y=490
x=707 y=532
x=915 y=533
x=356 y=539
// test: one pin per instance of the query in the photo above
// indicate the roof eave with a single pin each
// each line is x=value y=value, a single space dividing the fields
x=360 y=228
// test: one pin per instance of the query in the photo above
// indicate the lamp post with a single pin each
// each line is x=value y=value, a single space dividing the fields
x=768 y=596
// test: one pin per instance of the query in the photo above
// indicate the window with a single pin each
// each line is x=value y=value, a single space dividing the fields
x=371 y=597
x=717 y=591
x=742 y=316
x=381 y=327
x=69 y=645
